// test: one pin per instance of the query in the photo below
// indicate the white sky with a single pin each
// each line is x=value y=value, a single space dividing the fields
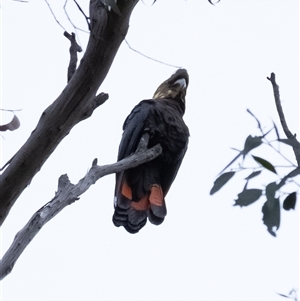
x=206 y=249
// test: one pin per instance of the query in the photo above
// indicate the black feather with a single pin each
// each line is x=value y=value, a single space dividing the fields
x=161 y=118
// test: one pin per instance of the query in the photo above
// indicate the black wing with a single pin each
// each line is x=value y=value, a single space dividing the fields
x=133 y=128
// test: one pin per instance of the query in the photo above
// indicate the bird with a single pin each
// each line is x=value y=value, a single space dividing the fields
x=140 y=191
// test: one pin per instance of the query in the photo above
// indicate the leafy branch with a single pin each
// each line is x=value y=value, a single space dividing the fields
x=272 y=192
x=291 y=138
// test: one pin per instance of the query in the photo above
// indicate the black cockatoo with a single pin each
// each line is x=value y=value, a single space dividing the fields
x=140 y=192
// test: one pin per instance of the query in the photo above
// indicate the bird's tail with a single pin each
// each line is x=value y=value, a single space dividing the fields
x=132 y=213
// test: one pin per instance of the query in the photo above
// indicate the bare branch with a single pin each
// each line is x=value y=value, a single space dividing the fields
x=67 y=193
x=279 y=107
x=286 y=130
x=76 y=102
x=74 y=48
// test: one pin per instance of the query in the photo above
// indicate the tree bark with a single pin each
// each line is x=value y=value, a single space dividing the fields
x=76 y=102
x=294 y=142
x=73 y=54
x=67 y=193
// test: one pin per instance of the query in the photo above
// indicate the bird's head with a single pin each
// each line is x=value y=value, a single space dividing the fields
x=174 y=87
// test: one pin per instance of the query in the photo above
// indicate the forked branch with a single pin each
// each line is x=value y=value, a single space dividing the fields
x=74 y=48
x=67 y=193
x=77 y=101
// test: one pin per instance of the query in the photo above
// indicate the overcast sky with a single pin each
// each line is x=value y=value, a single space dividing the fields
x=206 y=249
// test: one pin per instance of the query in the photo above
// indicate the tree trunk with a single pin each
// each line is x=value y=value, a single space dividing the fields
x=76 y=102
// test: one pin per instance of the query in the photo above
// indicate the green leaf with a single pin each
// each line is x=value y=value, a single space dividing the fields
x=290 y=201
x=251 y=143
x=248 y=197
x=271 y=190
x=271 y=215
x=254 y=174
x=266 y=164
x=221 y=181
x=271 y=209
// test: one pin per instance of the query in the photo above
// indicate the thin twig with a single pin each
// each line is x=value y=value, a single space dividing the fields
x=86 y=18
x=279 y=152
x=74 y=26
x=258 y=123
x=11 y=110
x=54 y=15
x=150 y=58
x=269 y=143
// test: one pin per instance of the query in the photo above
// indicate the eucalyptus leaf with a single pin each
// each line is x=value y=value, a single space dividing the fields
x=271 y=215
x=253 y=174
x=248 y=197
x=271 y=209
x=266 y=164
x=271 y=190
x=221 y=181
x=251 y=143
x=290 y=201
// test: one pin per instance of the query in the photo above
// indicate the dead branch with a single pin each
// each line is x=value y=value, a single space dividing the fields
x=289 y=135
x=279 y=107
x=76 y=102
x=67 y=193
x=74 y=48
